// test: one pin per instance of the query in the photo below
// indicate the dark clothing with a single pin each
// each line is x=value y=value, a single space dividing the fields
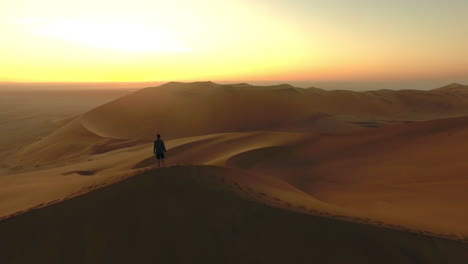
x=160 y=155
x=159 y=148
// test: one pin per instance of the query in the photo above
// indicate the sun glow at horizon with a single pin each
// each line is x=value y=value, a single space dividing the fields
x=116 y=35
x=144 y=40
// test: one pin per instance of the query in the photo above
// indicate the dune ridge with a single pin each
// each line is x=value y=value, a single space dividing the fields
x=305 y=160
x=151 y=212
x=345 y=156
x=413 y=174
x=179 y=110
x=56 y=179
x=292 y=165
x=191 y=109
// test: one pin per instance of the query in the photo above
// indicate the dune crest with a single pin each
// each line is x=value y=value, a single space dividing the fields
x=189 y=215
x=179 y=110
x=359 y=159
x=191 y=109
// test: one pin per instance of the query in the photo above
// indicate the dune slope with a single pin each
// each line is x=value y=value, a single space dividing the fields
x=27 y=116
x=187 y=215
x=178 y=110
x=409 y=177
x=96 y=161
x=413 y=174
x=190 y=109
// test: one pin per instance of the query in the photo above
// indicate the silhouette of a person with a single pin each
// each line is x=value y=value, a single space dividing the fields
x=158 y=150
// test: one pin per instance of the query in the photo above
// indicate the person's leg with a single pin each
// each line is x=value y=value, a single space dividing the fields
x=158 y=160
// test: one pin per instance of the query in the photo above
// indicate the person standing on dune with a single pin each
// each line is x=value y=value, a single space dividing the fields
x=159 y=149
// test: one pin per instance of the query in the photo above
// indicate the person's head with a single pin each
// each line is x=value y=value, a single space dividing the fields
x=158 y=136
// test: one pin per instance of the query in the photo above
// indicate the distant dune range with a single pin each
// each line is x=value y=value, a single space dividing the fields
x=362 y=157
x=26 y=116
x=181 y=110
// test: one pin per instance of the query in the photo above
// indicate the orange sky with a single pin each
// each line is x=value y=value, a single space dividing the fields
x=143 y=40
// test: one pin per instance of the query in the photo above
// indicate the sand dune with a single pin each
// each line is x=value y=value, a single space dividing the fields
x=179 y=110
x=61 y=178
x=27 y=116
x=374 y=174
x=454 y=87
x=412 y=174
x=189 y=109
x=189 y=215
x=365 y=161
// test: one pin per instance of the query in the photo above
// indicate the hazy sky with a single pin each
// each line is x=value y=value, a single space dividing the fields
x=184 y=40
